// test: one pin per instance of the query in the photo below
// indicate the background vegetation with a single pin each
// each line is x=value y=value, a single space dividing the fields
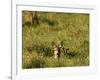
x=71 y=28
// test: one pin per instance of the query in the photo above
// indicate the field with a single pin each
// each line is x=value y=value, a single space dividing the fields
x=72 y=29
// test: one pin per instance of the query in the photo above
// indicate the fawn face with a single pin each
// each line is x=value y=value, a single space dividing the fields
x=56 y=51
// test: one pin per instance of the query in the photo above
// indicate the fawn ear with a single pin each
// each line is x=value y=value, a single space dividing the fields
x=53 y=44
x=61 y=44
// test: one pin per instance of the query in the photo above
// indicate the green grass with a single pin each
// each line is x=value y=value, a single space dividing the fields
x=71 y=28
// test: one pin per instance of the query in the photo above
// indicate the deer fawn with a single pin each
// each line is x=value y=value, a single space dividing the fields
x=56 y=50
x=59 y=48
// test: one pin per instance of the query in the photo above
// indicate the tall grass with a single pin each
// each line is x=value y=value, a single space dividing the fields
x=71 y=28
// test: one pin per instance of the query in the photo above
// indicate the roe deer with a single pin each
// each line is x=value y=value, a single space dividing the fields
x=56 y=50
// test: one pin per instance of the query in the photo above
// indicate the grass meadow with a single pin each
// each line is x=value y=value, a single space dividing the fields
x=70 y=28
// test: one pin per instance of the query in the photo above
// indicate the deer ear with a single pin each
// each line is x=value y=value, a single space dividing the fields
x=52 y=43
x=61 y=43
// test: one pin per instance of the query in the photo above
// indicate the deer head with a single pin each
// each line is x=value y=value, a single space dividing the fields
x=57 y=49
